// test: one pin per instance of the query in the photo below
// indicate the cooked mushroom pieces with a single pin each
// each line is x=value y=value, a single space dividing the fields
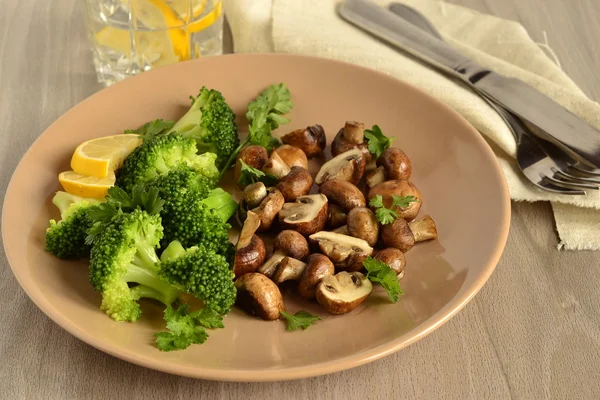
x=311 y=140
x=348 y=166
x=250 y=249
x=362 y=223
x=336 y=216
x=343 y=292
x=292 y=156
x=343 y=193
x=306 y=215
x=388 y=189
x=276 y=167
x=295 y=184
x=269 y=208
x=396 y=164
x=287 y=243
x=394 y=258
x=398 y=235
x=318 y=267
x=346 y=252
x=289 y=269
x=375 y=177
x=352 y=135
x=259 y=296
x=423 y=229
x=254 y=194
x=253 y=156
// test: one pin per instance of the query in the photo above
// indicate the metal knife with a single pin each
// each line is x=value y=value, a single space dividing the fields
x=553 y=122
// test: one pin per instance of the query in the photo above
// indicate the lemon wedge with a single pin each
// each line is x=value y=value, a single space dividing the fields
x=100 y=157
x=86 y=186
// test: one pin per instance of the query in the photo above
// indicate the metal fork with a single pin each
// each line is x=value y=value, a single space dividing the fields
x=543 y=163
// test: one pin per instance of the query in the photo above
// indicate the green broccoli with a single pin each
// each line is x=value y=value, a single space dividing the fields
x=200 y=272
x=124 y=253
x=211 y=122
x=66 y=238
x=159 y=155
x=193 y=213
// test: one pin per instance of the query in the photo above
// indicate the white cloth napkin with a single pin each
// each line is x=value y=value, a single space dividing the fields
x=312 y=27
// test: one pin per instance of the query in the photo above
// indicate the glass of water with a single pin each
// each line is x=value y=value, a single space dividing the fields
x=133 y=36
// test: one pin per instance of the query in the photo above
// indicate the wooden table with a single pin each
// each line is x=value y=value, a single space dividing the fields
x=533 y=332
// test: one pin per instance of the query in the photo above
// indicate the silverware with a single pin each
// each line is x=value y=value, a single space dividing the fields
x=545 y=165
x=555 y=123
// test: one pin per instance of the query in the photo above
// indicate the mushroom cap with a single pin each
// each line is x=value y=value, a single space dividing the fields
x=343 y=193
x=292 y=244
x=392 y=257
x=318 y=267
x=398 y=188
x=348 y=166
x=311 y=140
x=336 y=216
x=292 y=156
x=362 y=223
x=341 y=145
x=343 y=292
x=255 y=193
x=398 y=234
x=306 y=215
x=259 y=296
x=269 y=208
x=423 y=229
x=276 y=167
x=250 y=258
x=289 y=269
x=254 y=156
x=396 y=163
x=346 y=252
x=295 y=184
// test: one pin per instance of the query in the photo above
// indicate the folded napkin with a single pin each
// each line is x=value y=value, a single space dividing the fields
x=312 y=27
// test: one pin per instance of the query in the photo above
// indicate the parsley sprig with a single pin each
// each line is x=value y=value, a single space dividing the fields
x=388 y=215
x=300 y=320
x=377 y=142
x=379 y=272
x=250 y=175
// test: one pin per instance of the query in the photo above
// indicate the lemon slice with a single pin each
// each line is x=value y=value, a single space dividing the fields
x=86 y=186
x=100 y=157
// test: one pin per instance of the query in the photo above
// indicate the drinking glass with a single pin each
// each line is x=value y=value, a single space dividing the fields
x=133 y=36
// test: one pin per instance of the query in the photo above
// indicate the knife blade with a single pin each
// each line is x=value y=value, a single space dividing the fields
x=553 y=122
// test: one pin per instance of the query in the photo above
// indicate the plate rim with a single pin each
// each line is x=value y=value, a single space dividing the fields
x=269 y=374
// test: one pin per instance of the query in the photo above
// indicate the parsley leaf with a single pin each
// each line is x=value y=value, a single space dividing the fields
x=381 y=273
x=251 y=175
x=377 y=142
x=185 y=328
x=265 y=114
x=152 y=129
x=388 y=215
x=300 y=320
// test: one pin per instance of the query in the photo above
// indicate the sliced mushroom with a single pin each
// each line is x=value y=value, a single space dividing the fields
x=343 y=193
x=394 y=258
x=336 y=215
x=311 y=140
x=318 y=267
x=269 y=208
x=352 y=135
x=259 y=296
x=306 y=215
x=289 y=269
x=254 y=194
x=276 y=167
x=254 y=156
x=362 y=223
x=250 y=249
x=292 y=156
x=375 y=177
x=399 y=188
x=403 y=235
x=287 y=243
x=343 y=292
x=346 y=252
x=295 y=184
x=348 y=166
x=396 y=163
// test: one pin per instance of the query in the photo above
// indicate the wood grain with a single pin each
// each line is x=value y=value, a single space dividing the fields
x=533 y=332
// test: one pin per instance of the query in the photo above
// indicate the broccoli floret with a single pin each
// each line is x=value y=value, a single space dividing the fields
x=124 y=253
x=211 y=122
x=157 y=156
x=194 y=214
x=66 y=238
x=200 y=272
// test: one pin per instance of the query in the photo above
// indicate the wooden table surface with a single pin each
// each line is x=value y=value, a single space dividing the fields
x=533 y=332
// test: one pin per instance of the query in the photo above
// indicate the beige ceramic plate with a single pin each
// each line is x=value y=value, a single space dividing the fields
x=461 y=183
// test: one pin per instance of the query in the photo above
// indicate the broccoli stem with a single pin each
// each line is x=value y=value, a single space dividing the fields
x=233 y=156
x=222 y=202
x=63 y=200
x=174 y=250
x=146 y=292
